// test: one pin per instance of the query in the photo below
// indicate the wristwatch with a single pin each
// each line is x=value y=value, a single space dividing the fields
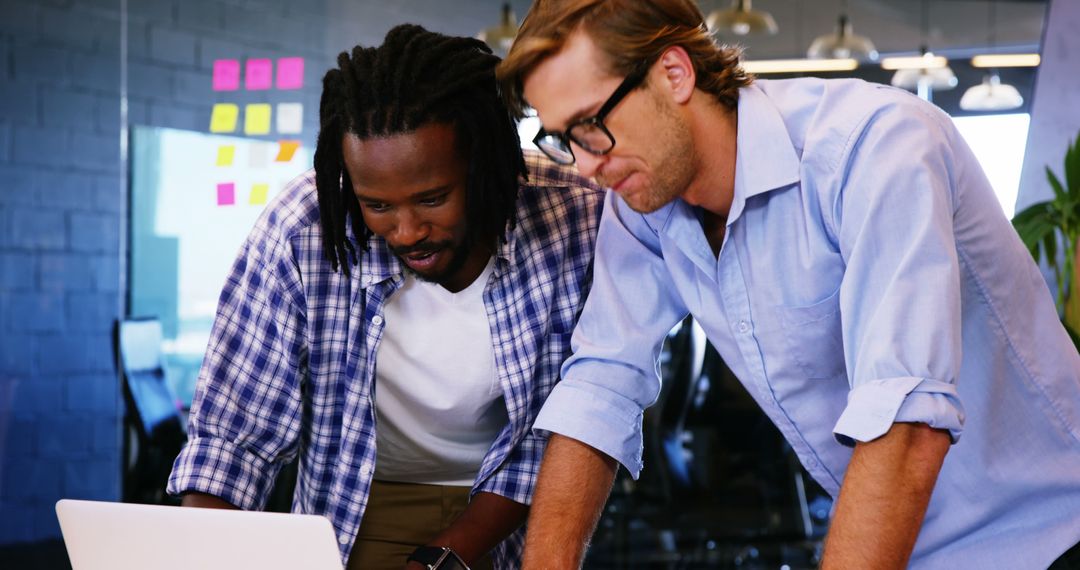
x=438 y=558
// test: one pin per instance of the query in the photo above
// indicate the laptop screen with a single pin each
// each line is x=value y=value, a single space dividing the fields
x=120 y=536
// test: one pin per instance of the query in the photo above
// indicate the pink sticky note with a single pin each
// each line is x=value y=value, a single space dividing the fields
x=259 y=74
x=290 y=73
x=226 y=75
x=226 y=194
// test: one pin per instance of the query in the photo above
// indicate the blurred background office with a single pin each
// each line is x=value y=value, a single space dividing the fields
x=140 y=139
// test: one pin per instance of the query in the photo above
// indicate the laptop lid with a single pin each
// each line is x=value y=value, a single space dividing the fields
x=121 y=536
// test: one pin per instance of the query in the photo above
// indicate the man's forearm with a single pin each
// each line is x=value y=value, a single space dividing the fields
x=574 y=483
x=202 y=500
x=486 y=522
x=884 y=497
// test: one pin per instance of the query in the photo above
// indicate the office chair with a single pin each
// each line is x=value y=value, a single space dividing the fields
x=154 y=426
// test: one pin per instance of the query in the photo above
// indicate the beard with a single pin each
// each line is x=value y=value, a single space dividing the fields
x=672 y=162
x=459 y=254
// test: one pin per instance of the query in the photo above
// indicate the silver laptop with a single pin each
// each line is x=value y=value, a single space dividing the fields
x=120 y=536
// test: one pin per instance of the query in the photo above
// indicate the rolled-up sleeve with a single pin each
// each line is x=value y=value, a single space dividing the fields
x=900 y=297
x=245 y=417
x=613 y=374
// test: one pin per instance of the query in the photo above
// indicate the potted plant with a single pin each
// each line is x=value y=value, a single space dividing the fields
x=1040 y=226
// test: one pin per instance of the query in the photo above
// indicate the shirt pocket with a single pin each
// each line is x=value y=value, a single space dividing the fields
x=813 y=337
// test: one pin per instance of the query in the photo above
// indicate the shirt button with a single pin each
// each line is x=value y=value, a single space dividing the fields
x=367 y=280
x=376 y=320
x=743 y=326
x=343 y=538
x=365 y=469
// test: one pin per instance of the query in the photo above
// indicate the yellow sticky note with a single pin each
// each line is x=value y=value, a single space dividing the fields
x=225 y=155
x=257 y=119
x=223 y=117
x=286 y=150
x=258 y=194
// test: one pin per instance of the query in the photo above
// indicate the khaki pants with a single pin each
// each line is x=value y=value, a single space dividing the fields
x=402 y=516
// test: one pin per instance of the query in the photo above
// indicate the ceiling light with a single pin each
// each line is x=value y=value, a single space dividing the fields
x=1006 y=60
x=843 y=43
x=799 y=65
x=925 y=61
x=991 y=95
x=741 y=20
x=938 y=79
x=501 y=36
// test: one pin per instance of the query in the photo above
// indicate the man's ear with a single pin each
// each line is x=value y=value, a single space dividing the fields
x=678 y=73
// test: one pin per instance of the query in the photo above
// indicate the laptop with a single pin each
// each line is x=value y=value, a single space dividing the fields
x=121 y=536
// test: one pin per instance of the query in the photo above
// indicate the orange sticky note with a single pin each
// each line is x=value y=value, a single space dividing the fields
x=224 y=115
x=225 y=154
x=257 y=119
x=258 y=194
x=286 y=150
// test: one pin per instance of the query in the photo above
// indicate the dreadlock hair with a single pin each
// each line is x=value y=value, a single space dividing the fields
x=416 y=78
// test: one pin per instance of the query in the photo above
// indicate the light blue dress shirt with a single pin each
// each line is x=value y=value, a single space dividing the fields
x=867 y=276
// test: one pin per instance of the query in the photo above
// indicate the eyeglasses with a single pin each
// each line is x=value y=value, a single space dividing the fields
x=589 y=133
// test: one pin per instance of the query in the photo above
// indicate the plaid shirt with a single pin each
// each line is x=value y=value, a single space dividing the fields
x=290 y=368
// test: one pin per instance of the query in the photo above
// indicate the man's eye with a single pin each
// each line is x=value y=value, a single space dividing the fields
x=433 y=201
x=375 y=206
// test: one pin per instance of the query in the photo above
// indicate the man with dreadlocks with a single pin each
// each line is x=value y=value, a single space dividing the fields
x=397 y=317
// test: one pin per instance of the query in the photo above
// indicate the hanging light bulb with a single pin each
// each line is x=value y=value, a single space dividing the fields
x=991 y=95
x=501 y=36
x=740 y=19
x=843 y=43
x=934 y=75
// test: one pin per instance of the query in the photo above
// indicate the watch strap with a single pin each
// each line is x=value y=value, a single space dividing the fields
x=428 y=555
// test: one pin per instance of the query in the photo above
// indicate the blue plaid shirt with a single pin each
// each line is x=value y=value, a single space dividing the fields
x=290 y=368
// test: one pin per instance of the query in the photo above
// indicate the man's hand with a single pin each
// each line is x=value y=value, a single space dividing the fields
x=883 y=498
x=574 y=483
x=486 y=522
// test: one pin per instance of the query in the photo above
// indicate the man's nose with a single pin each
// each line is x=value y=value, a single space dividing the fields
x=409 y=230
x=588 y=164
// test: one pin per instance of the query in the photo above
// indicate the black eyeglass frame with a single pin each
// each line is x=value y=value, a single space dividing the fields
x=631 y=82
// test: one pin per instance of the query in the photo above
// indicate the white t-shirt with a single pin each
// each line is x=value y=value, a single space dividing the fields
x=438 y=402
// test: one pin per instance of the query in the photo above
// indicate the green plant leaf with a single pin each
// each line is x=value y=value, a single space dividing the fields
x=1059 y=191
x=1072 y=168
x=1049 y=242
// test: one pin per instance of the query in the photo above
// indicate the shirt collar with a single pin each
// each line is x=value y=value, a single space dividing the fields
x=766 y=158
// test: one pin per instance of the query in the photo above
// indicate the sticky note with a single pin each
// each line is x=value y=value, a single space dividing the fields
x=225 y=155
x=290 y=118
x=257 y=119
x=258 y=194
x=226 y=194
x=223 y=118
x=286 y=150
x=226 y=75
x=290 y=73
x=259 y=74
x=259 y=154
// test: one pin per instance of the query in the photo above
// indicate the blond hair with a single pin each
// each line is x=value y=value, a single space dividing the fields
x=629 y=32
